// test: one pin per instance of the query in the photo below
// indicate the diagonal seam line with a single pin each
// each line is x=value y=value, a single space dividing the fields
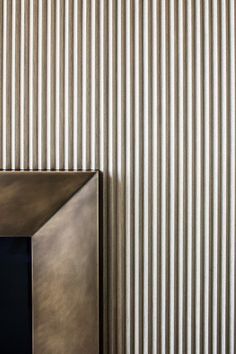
x=67 y=200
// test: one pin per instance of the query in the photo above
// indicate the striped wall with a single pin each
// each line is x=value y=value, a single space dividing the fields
x=144 y=91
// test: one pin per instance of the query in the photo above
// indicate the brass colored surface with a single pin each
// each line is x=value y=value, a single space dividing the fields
x=29 y=199
x=59 y=210
x=65 y=278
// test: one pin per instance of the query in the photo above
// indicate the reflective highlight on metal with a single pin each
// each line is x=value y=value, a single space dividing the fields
x=65 y=254
x=28 y=199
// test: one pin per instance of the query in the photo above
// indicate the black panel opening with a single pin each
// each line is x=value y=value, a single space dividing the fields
x=15 y=295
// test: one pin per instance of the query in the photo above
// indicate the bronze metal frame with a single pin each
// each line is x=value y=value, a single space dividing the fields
x=60 y=211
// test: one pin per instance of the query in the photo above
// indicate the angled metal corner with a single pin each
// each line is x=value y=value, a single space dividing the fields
x=66 y=277
x=60 y=212
x=31 y=198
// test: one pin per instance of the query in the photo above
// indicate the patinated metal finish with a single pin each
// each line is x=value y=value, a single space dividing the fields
x=65 y=250
x=65 y=278
x=29 y=199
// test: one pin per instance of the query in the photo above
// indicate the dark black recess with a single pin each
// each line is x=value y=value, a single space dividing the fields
x=15 y=295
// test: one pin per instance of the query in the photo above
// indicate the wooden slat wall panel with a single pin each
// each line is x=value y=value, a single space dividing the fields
x=145 y=92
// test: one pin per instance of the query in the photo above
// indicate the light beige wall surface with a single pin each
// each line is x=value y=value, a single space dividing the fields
x=145 y=92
